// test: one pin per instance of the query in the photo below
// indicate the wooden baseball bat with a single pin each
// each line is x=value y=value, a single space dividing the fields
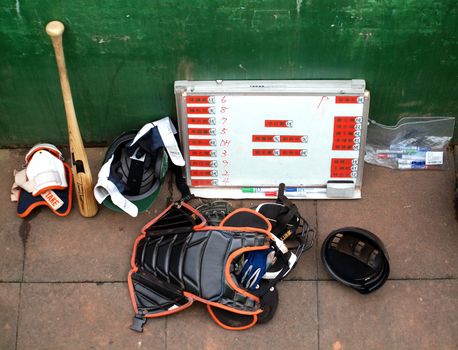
x=80 y=166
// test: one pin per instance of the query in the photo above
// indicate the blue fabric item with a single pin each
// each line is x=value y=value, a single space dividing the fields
x=253 y=268
x=151 y=141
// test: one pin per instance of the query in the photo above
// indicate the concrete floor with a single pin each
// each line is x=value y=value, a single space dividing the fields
x=63 y=280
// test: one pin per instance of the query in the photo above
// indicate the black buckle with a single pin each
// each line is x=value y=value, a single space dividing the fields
x=137 y=323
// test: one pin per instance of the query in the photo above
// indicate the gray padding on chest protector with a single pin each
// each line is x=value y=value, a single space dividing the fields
x=204 y=263
x=195 y=261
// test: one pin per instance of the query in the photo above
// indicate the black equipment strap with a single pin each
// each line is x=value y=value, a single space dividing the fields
x=289 y=213
x=180 y=181
x=134 y=179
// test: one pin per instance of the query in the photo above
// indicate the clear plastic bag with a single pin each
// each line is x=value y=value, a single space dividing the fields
x=413 y=143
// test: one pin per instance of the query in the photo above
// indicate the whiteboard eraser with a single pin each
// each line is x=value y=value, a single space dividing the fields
x=340 y=189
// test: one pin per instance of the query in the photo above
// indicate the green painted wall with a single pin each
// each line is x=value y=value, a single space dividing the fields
x=123 y=56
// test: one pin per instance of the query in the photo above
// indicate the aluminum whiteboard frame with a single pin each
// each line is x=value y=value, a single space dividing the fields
x=184 y=88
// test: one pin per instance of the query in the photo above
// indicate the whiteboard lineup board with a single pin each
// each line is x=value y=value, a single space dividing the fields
x=241 y=139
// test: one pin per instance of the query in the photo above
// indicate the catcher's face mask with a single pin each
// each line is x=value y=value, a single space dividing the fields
x=135 y=165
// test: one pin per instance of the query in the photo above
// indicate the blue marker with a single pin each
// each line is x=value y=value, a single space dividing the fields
x=293 y=189
x=304 y=190
x=411 y=164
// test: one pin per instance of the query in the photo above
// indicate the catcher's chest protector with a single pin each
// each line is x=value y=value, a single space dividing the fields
x=179 y=259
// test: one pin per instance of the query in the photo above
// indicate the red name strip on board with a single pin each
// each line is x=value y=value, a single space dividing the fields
x=257 y=152
x=347 y=99
x=203 y=182
x=203 y=121
x=200 y=152
x=271 y=123
x=345 y=121
x=198 y=110
x=201 y=131
x=202 y=142
x=279 y=138
x=203 y=173
x=262 y=152
x=264 y=138
x=292 y=153
x=293 y=138
x=197 y=99
x=202 y=163
x=341 y=167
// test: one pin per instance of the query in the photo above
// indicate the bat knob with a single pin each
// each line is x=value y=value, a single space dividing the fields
x=55 y=28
